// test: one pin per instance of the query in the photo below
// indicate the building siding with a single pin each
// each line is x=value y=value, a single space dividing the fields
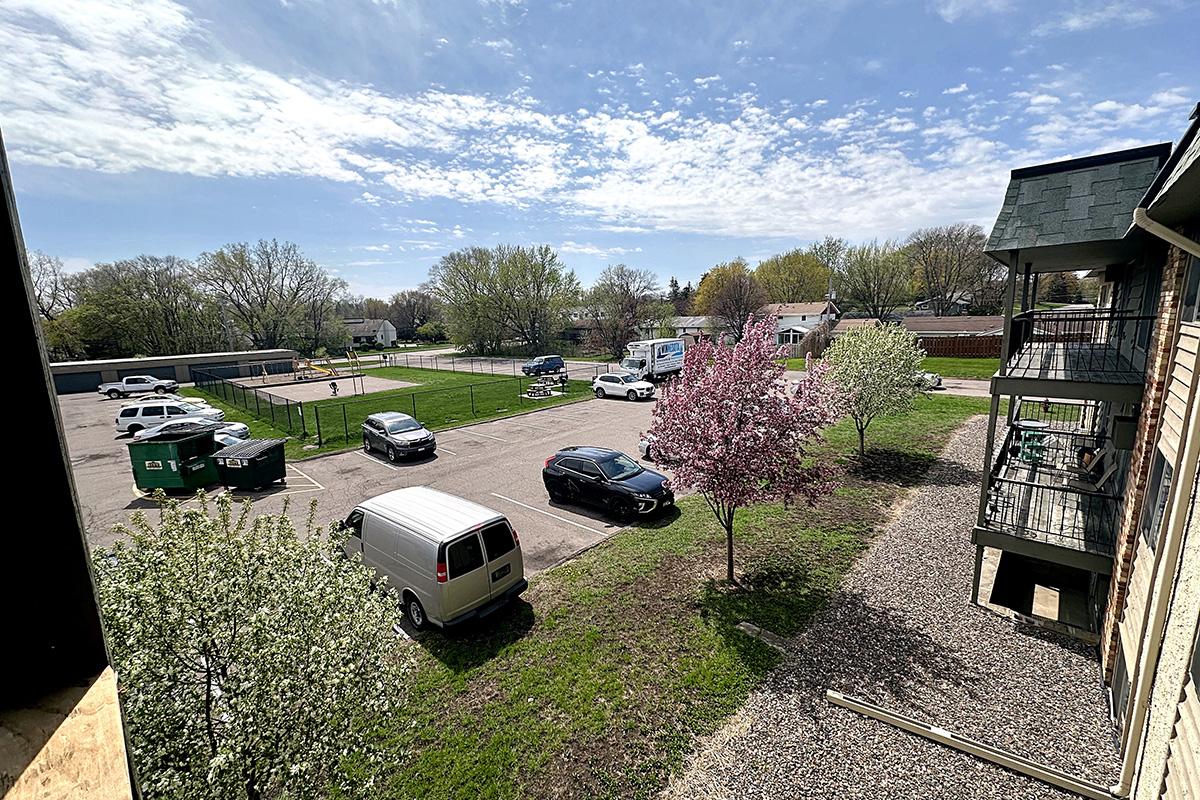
x=1159 y=361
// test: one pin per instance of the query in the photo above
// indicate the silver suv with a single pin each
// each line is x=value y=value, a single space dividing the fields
x=397 y=435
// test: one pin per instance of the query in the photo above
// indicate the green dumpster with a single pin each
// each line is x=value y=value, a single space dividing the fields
x=251 y=464
x=174 y=461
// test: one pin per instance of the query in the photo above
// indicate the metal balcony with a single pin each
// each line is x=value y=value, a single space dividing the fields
x=1054 y=491
x=1082 y=354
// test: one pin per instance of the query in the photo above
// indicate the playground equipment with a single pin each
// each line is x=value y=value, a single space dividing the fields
x=352 y=357
x=306 y=368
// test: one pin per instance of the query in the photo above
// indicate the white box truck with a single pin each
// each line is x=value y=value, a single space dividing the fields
x=653 y=359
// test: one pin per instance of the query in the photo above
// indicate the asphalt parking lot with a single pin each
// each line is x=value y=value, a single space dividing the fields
x=497 y=464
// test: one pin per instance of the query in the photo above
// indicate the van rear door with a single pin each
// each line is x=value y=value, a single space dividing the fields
x=505 y=565
x=466 y=585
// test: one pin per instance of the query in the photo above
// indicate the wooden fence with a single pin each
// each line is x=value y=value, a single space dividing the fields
x=962 y=346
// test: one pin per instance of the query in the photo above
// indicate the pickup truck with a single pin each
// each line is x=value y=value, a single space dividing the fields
x=137 y=384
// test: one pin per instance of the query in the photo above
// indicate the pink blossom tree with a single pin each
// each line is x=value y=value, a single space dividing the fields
x=734 y=430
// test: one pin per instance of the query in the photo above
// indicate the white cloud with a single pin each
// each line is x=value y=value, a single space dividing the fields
x=1090 y=16
x=953 y=10
x=704 y=82
x=125 y=85
x=595 y=251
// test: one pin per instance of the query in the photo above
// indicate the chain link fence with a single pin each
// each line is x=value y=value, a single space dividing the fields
x=341 y=421
x=282 y=413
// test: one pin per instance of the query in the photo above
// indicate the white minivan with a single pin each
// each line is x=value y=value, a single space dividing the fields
x=449 y=559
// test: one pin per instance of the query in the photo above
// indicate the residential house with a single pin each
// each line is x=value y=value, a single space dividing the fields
x=957 y=303
x=1087 y=514
x=797 y=319
x=370 y=332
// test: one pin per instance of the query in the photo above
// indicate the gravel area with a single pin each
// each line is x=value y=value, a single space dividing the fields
x=902 y=632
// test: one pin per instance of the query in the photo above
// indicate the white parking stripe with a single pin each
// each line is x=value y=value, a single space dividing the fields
x=444 y=450
x=557 y=517
x=374 y=460
x=477 y=433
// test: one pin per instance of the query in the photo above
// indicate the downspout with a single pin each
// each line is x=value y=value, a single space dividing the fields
x=1166 y=559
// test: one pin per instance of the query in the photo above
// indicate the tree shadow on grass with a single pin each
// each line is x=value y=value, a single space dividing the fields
x=906 y=468
x=475 y=643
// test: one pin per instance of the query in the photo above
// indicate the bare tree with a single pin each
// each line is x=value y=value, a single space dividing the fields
x=730 y=293
x=874 y=276
x=268 y=288
x=616 y=305
x=943 y=259
x=50 y=287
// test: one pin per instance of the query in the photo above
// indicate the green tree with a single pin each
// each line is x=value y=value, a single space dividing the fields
x=252 y=660
x=522 y=295
x=874 y=277
x=796 y=276
x=657 y=317
x=878 y=367
x=274 y=294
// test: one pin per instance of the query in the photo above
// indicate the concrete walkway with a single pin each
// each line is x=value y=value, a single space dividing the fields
x=901 y=632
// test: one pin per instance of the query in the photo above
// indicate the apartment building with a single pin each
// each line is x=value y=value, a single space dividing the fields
x=1087 y=510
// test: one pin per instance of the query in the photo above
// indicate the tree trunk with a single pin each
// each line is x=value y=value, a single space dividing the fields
x=862 y=441
x=729 y=550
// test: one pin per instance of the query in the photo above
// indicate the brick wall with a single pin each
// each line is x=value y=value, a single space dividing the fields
x=1158 y=376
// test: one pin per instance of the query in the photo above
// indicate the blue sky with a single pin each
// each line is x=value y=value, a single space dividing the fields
x=381 y=134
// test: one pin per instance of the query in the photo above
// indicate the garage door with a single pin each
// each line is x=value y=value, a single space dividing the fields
x=159 y=372
x=75 y=382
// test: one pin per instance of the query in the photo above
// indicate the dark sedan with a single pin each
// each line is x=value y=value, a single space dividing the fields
x=605 y=478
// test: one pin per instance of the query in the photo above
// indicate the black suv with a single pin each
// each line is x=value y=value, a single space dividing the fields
x=606 y=478
x=544 y=365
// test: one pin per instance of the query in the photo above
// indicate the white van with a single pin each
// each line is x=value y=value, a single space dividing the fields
x=449 y=559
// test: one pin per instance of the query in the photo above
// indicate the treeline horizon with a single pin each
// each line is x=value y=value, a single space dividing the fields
x=505 y=299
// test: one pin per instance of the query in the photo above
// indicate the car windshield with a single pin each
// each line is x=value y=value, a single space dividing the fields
x=620 y=468
x=191 y=408
x=629 y=378
x=631 y=363
x=403 y=426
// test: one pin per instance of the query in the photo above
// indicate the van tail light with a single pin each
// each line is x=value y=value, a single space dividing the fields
x=516 y=536
x=441 y=572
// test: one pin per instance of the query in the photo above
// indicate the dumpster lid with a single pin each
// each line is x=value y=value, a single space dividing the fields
x=249 y=448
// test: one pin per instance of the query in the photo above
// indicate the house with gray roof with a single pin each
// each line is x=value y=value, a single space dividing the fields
x=370 y=332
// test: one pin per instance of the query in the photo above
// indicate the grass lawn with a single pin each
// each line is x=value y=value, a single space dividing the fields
x=443 y=399
x=600 y=681
x=977 y=368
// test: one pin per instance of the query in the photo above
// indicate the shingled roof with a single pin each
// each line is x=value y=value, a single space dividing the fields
x=1081 y=200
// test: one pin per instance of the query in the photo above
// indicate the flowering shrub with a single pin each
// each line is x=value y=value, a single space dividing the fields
x=251 y=661
x=879 y=368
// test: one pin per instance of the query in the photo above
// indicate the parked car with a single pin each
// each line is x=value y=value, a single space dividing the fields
x=449 y=559
x=622 y=384
x=605 y=478
x=645 y=446
x=544 y=365
x=176 y=398
x=238 y=430
x=397 y=435
x=137 y=416
x=137 y=384
x=927 y=381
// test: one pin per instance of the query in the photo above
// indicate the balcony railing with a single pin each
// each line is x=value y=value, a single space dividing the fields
x=1089 y=345
x=1056 y=479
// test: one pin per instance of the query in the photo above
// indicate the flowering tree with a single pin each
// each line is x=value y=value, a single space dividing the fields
x=251 y=661
x=879 y=369
x=734 y=430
